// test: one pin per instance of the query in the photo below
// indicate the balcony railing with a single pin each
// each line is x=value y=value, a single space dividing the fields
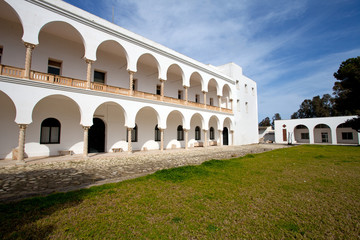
x=60 y=80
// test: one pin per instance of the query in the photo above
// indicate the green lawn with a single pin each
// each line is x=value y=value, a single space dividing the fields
x=310 y=192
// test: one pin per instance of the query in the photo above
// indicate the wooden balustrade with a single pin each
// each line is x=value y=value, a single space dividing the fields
x=60 y=80
x=12 y=71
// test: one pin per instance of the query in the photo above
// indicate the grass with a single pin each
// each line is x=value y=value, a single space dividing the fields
x=304 y=192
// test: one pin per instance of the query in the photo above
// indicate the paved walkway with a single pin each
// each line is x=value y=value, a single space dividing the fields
x=42 y=176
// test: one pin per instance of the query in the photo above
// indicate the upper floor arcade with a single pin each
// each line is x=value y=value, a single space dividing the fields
x=67 y=46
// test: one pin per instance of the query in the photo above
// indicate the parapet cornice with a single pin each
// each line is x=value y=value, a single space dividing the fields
x=115 y=30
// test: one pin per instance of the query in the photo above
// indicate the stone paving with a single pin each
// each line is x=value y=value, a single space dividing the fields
x=40 y=177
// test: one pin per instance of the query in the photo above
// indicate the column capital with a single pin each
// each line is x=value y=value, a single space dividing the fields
x=204 y=92
x=23 y=126
x=162 y=80
x=220 y=130
x=185 y=86
x=29 y=45
x=131 y=72
x=89 y=61
x=86 y=127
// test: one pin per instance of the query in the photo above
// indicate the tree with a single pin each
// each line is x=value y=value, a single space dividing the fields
x=347 y=87
x=317 y=107
x=354 y=123
x=265 y=122
x=275 y=117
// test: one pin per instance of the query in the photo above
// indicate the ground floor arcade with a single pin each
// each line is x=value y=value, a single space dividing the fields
x=329 y=130
x=38 y=121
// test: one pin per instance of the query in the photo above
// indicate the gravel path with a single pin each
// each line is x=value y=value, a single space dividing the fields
x=40 y=177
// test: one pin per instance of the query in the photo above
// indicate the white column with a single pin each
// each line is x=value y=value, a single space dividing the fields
x=204 y=98
x=186 y=138
x=161 y=139
x=333 y=135
x=221 y=137
x=88 y=73
x=186 y=93
x=311 y=136
x=232 y=137
x=205 y=138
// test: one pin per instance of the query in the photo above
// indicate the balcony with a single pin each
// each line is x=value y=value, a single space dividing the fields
x=65 y=81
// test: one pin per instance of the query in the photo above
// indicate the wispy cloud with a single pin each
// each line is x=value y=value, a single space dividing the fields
x=290 y=48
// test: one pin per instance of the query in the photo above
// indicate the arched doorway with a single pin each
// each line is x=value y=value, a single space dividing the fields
x=97 y=136
x=225 y=136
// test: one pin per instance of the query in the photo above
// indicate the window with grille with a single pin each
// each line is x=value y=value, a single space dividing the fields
x=197 y=133
x=50 y=131
x=180 y=133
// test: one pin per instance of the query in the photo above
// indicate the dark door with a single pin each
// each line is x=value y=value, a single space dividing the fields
x=225 y=136
x=97 y=136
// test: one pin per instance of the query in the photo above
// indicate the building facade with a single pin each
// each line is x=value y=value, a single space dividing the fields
x=71 y=81
x=326 y=130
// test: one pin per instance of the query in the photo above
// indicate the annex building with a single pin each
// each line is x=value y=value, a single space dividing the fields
x=324 y=130
x=71 y=82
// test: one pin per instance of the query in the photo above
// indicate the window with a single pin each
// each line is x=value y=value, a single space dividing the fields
x=238 y=105
x=246 y=107
x=324 y=137
x=211 y=101
x=54 y=67
x=180 y=133
x=197 y=133
x=99 y=77
x=246 y=90
x=0 y=53
x=134 y=85
x=197 y=98
x=180 y=94
x=157 y=134
x=158 y=89
x=304 y=135
x=134 y=133
x=253 y=91
x=212 y=133
x=50 y=131
x=347 y=136
x=237 y=85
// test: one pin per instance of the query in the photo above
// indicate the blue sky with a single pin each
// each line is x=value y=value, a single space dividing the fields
x=290 y=48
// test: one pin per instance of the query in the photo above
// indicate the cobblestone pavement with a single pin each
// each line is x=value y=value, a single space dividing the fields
x=40 y=177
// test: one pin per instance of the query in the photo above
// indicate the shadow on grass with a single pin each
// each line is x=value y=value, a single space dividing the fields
x=18 y=219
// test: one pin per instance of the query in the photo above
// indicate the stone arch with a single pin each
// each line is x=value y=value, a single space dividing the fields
x=215 y=124
x=146 y=119
x=147 y=75
x=173 y=120
x=301 y=134
x=212 y=93
x=196 y=120
x=174 y=81
x=69 y=30
x=57 y=35
x=12 y=30
x=322 y=133
x=226 y=96
x=68 y=113
x=346 y=135
x=112 y=60
x=115 y=117
x=196 y=87
x=8 y=127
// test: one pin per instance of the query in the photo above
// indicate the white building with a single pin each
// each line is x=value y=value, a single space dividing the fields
x=326 y=130
x=70 y=81
x=266 y=134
